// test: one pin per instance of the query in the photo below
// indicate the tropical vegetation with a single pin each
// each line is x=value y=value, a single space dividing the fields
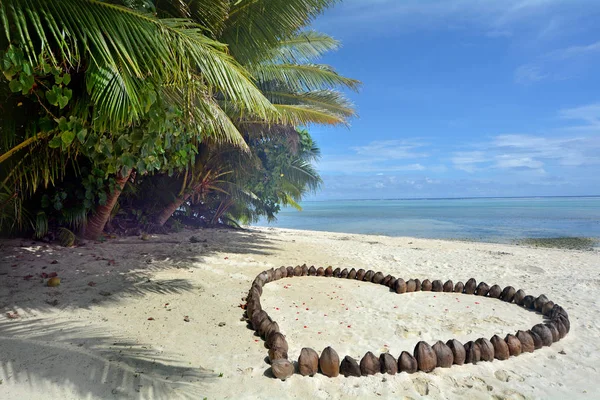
x=133 y=115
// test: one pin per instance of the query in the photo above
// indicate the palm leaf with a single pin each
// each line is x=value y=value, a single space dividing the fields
x=303 y=47
x=301 y=77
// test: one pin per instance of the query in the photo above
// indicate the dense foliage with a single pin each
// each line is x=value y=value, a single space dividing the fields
x=128 y=113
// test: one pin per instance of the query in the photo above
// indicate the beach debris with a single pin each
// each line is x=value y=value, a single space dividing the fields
x=519 y=297
x=544 y=333
x=378 y=277
x=282 y=368
x=388 y=364
x=437 y=286
x=411 y=285
x=486 y=348
x=91 y=283
x=495 y=292
x=352 y=274
x=501 y=351
x=150 y=318
x=448 y=286
x=472 y=353
x=426 y=285
x=52 y=302
x=527 y=345
x=407 y=363
x=221 y=324
x=276 y=353
x=187 y=319
x=458 y=351
x=369 y=364
x=350 y=367
x=400 y=286
x=425 y=356
x=444 y=355
x=329 y=362
x=53 y=282
x=470 y=286
x=12 y=315
x=482 y=289
x=508 y=294
x=514 y=345
x=308 y=362
x=459 y=287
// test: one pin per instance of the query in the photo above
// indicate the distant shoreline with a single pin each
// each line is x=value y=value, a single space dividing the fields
x=459 y=198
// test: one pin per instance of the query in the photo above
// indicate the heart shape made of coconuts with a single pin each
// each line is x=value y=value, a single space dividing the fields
x=424 y=357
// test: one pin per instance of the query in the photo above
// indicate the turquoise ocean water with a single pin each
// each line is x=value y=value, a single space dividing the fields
x=485 y=219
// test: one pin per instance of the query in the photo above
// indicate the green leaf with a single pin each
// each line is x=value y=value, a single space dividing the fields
x=66 y=79
x=15 y=86
x=46 y=68
x=27 y=68
x=81 y=135
x=63 y=101
x=68 y=93
x=67 y=137
x=63 y=125
x=55 y=142
x=52 y=97
x=58 y=79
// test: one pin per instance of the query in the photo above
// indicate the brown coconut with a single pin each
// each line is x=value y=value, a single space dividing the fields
x=282 y=368
x=487 y=349
x=264 y=324
x=329 y=363
x=407 y=363
x=547 y=308
x=337 y=272
x=558 y=311
x=369 y=276
x=278 y=274
x=290 y=272
x=276 y=339
x=508 y=294
x=298 y=271
x=482 y=289
x=349 y=367
x=448 y=286
x=528 y=302
x=544 y=333
x=537 y=340
x=312 y=271
x=270 y=328
x=417 y=285
x=459 y=287
x=276 y=353
x=257 y=318
x=386 y=280
x=553 y=331
x=378 y=278
x=470 y=286
x=304 y=270
x=392 y=283
x=344 y=273
x=308 y=362
x=411 y=286
x=400 y=286
x=369 y=364
x=539 y=302
x=352 y=274
x=458 y=351
x=360 y=274
x=527 y=345
x=472 y=353
x=426 y=285
x=519 y=297
x=320 y=271
x=514 y=345
x=495 y=292
x=444 y=355
x=388 y=364
x=284 y=272
x=501 y=351
x=329 y=271
x=437 y=286
x=560 y=327
x=425 y=356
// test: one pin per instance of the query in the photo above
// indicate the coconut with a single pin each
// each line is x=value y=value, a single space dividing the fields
x=270 y=328
x=482 y=289
x=459 y=287
x=514 y=345
x=560 y=327
x=407 y=363
x=458 y=351
x=298 y=271
x=553 y=331
x=470 y=286
x=444 y=355
x=392 y=282
x=547 y=307
x=276 y=339
x=437 y=286
x=320 y=271
x=308 y=362
x=400 y=286
x=276 y=353
x=337 y=272
x=304 y=270
x=349 y=367
x=290 y=272
x=312 y=271
x=388 y=364
x=425 y=356
x=282 y=369
x=538 y=343
x=278 y=274
x=284 y=272
x=495 y=292
x=352 y=274
x=378 y=278
x=448 y=286
x=426 y=285
x=344 y=273
x=544 y=333
x=558 y=311
x=386 y=280
x=528 y=302
x=257 y=318
x=472 y=353
x=369 y=276
x=329 y=271
x=539 y=303
x=508 y=294
x=487 y=349
x=527 y=345
x=411 y=285
x=417 y=285
x=501 y=351
x=519 y=297
x=329 y=363
x=360 y=274
x=369 y=364
x=263 y=325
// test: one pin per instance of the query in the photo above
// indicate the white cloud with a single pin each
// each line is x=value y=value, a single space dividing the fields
x=391 y=149
x=526 y=74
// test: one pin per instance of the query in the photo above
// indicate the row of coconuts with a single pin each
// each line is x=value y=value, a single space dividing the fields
x=425 y=357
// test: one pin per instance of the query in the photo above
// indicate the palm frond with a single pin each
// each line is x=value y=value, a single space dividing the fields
x=303 y=47
x=305 y=115
x=329 y=100
x=301 y=77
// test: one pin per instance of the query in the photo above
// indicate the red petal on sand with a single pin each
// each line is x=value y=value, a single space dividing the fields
x=395 y=306
x=277 y=308
x=256 y=340
x=226 y=258
x=349 y=326
x=434 y=297
x=52 y=275
x=296 y=319
x=324 y=315
x=467 y=306
x=318 y=333
x=305 y=327
x=150 y=319
x=44 y=275
x=476 y=302
x=307 y=309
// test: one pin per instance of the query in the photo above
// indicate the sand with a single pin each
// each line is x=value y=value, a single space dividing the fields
x=116 y=326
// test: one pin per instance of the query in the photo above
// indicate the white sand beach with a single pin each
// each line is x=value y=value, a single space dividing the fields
x=116 y=326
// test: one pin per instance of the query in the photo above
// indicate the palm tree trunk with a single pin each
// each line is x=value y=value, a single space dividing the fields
x=95 y=225
x=166 y=213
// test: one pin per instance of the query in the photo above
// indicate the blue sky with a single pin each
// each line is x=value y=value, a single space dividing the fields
x=465 y=98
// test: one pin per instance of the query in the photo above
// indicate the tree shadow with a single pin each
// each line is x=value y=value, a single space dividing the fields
x=91 y=362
